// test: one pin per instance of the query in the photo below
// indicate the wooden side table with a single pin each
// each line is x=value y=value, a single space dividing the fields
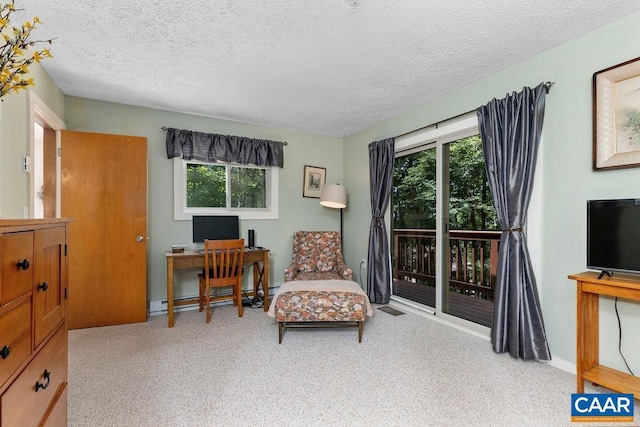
x=588 y=366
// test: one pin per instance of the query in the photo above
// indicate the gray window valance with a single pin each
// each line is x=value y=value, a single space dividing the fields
x=211 y=147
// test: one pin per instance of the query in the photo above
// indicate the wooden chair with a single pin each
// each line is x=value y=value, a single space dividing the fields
x=223 y=263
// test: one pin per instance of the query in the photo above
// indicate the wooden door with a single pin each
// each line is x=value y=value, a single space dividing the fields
x=104 y=189
x=49 y=172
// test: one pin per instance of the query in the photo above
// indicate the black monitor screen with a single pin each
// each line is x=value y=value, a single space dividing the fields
x=613 y=235
x=217 y=227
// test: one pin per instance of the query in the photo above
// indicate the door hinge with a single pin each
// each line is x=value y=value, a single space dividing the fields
x=65 y=249
x=65 y=293
x=59 y=151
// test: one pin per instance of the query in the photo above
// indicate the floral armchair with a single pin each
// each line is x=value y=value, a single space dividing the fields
x=317 y=255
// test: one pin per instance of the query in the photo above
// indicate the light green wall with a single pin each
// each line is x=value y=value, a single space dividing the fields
x=567 y=179
x=295 y=212
x=14 y=143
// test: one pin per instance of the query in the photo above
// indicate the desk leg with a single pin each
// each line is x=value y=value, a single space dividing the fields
x=261 y=276
x=265 y=280
x=170 y=291
x=256 y=279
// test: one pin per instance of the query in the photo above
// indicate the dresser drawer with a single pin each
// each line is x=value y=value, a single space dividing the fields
x=24 y=403
x=16 y=252
x=58 y=415
x=15 y=338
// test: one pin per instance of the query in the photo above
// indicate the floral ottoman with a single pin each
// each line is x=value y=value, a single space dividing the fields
x=320 y=303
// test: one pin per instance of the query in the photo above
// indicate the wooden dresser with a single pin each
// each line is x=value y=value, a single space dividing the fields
x=33 y=329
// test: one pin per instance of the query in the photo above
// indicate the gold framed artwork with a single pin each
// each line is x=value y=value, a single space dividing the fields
x=314 y=178
x=616 y=116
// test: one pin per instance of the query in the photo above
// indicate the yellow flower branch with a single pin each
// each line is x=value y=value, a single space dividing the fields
x=16 y=54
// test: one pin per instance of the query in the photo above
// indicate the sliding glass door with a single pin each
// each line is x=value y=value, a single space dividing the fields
x=414 y=226
x=445 y=238
x=471 y=233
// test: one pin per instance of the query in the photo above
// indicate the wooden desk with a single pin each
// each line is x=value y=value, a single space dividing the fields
x=587 y=361
x=195 y=259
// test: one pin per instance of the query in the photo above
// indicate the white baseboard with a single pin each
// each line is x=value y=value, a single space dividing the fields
x=562 y=364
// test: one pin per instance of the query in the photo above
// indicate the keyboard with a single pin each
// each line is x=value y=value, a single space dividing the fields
x=256 y=248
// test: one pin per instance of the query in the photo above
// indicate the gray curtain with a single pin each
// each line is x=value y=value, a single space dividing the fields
x=510 y=129
x=211 y=147
x=381 y=180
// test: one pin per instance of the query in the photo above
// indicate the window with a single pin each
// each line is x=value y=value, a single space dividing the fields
x=200 y=188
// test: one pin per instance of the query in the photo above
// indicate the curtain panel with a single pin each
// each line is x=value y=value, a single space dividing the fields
x=211 y=148
x=510 y=129
x=381 y=182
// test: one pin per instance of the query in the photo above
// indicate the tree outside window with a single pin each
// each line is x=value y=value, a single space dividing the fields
x=226 y=186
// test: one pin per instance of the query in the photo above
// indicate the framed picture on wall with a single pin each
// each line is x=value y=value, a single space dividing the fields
x=616 y=116
x=314 y=178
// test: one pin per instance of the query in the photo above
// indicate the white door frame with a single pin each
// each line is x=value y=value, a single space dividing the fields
x=39 y=112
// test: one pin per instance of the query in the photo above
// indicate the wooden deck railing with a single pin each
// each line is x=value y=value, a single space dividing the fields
x=473 y=256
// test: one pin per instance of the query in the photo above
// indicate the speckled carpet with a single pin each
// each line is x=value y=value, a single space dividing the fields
x=408 y=371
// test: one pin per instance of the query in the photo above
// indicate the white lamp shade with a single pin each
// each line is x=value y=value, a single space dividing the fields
x=333 y=196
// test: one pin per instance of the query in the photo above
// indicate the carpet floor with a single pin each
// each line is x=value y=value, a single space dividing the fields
x=408 y=371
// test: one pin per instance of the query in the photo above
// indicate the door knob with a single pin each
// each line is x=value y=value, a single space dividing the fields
x=139 y=238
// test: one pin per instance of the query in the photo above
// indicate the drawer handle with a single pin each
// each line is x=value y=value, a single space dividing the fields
x=24 y=264
x=44 y=286
x=4 y=353
x=47 y=376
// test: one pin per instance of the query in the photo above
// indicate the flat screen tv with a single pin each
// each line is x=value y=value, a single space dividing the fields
x=215 y=227
x=613 y=235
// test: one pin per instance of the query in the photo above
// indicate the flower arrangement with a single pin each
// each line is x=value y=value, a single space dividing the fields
x=14 y=56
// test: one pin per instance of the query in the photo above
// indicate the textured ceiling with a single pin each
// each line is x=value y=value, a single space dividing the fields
x=309 y=65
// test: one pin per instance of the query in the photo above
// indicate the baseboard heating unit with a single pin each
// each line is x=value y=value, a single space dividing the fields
x=159 y=306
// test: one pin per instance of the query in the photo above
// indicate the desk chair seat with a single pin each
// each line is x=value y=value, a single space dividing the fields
x=223 y=263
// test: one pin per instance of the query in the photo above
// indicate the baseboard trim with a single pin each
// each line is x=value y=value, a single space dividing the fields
x=562 y=365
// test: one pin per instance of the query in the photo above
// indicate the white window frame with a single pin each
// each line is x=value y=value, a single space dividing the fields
x=182 y=212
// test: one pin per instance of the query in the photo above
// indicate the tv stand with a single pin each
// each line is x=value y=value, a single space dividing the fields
x=605 y=273
x=590 y=286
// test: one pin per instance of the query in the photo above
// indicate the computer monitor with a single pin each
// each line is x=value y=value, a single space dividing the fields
x=215 y=227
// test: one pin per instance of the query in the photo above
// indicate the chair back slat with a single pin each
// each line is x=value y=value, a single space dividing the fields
x=223 y=261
